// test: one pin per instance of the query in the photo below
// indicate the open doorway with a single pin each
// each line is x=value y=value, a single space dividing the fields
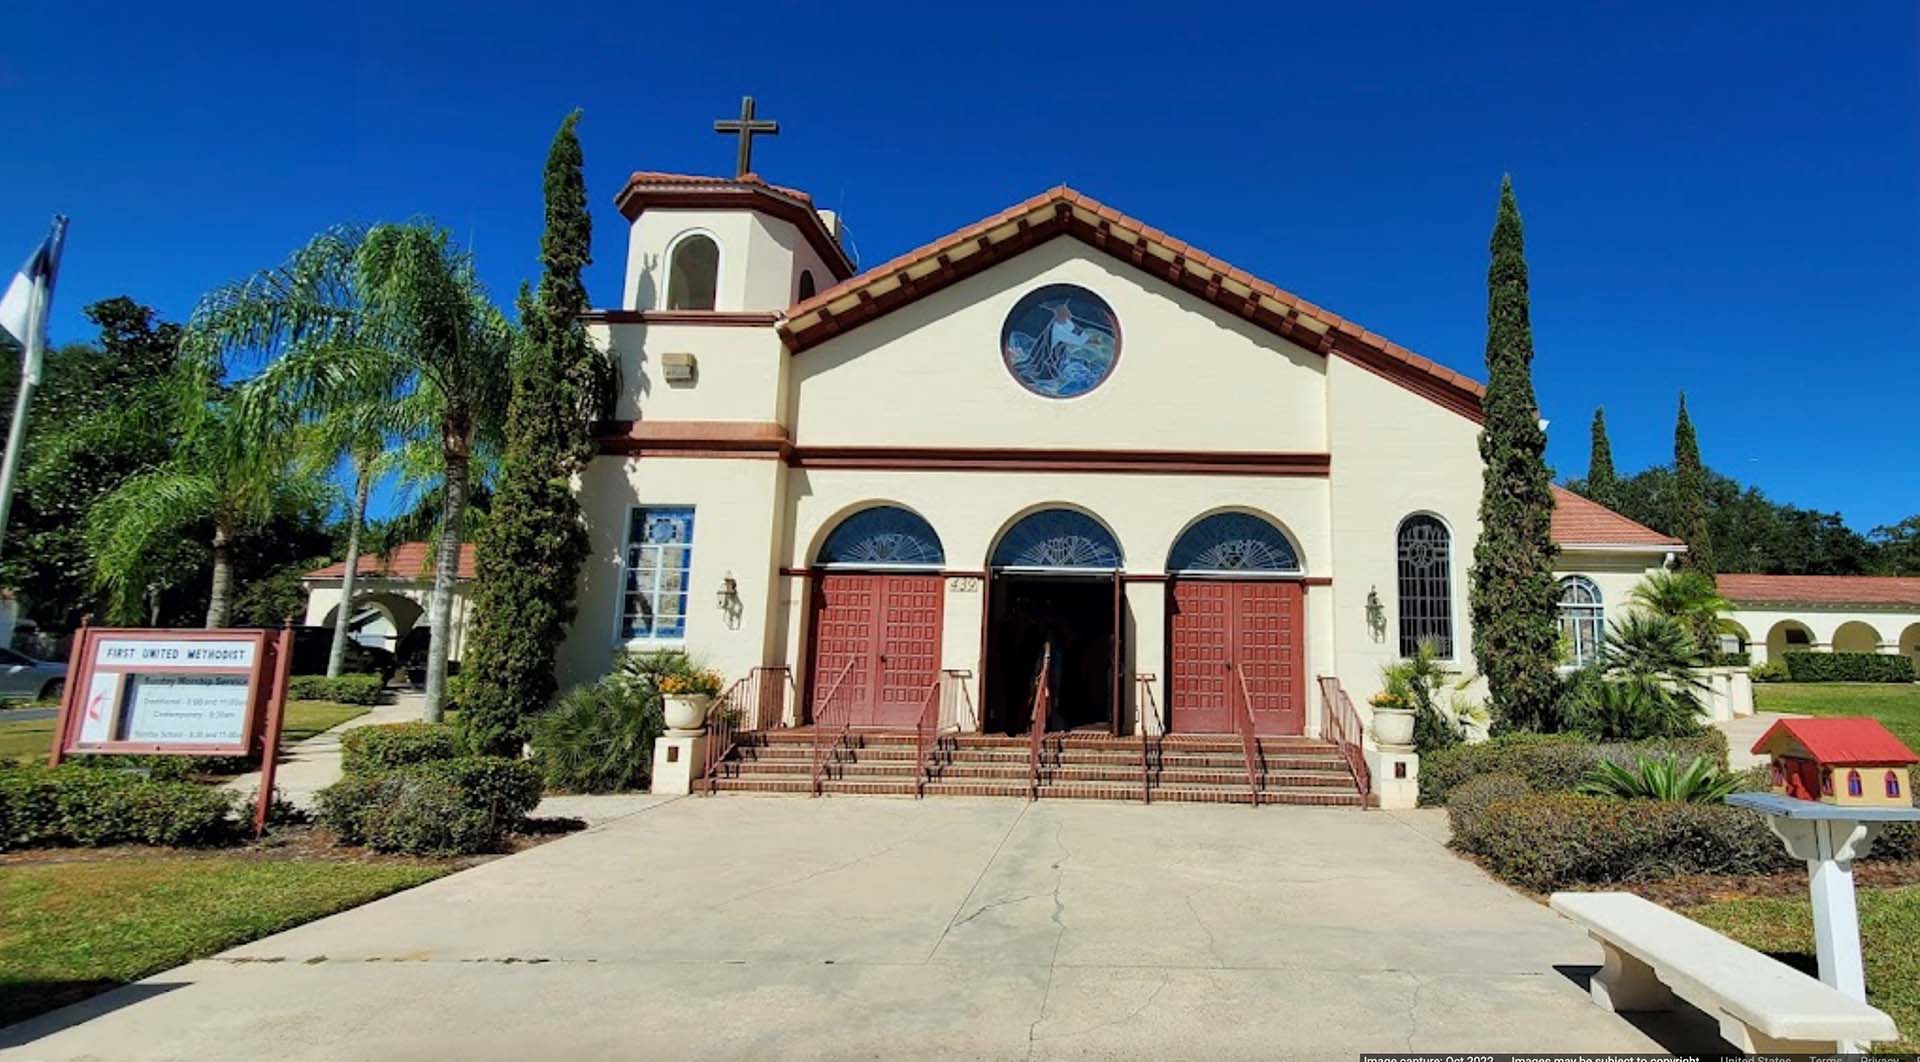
x=1074 y=616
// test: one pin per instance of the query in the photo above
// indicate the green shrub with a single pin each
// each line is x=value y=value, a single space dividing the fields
x=454 y=806
x=1661 y=778
x=1553 y=840
x=1552 y=762
x=347 y=689
x=1630 y=710
x=42 y=806
x=1804 y=666
x=599 y=738
x=167 y=768
x=1726 y=659
x=1771 y=671
x=1469 y=801
x=368 y=749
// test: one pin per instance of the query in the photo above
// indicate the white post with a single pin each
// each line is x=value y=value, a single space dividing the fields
x=1836 y=919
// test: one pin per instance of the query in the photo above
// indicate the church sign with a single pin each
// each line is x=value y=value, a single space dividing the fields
x=201 y=693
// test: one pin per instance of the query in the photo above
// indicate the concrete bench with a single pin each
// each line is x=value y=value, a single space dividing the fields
x=1762 y=1005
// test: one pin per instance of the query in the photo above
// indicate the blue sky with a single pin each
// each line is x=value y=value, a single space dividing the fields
x=1721 y=200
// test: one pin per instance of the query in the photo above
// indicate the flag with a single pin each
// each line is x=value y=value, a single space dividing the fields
x=18 y=307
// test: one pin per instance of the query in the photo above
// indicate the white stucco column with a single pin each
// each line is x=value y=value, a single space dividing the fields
x=1146 y=631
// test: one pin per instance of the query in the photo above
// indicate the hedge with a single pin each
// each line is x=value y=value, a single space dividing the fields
x=346 y=689
x=42 y=806
x=1803 y=666
x=1470 y=799
x=1551 y=762
x=1552 y=840
x=369 y=749
x=452 y=806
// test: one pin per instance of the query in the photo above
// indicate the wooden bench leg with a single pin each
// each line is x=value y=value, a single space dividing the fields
x=1624 y=983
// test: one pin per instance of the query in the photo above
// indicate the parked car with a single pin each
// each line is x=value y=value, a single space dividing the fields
x=313 y=645
x=22 y=678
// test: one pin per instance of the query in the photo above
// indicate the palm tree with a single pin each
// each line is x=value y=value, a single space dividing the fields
x=222 y=479
x=392 y=317
x=1691 y=598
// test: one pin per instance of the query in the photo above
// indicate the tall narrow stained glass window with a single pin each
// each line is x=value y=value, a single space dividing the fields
x=659 y=558
x=1426 y=585
x=1582 y=619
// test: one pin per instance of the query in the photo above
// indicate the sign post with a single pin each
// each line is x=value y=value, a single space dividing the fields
x=177 y=693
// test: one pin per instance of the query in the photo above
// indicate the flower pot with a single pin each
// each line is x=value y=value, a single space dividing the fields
x=687 y=711
x=1393 y=727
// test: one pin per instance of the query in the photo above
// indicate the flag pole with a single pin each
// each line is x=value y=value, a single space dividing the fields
x=30 y=364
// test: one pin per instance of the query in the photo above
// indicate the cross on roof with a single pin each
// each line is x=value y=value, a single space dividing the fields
x=746 y=127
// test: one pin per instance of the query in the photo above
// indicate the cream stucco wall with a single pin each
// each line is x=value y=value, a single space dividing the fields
x=1189 y=375
x=1615 y=572
x=739 y=371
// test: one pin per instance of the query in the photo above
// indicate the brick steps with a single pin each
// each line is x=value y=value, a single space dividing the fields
x=1084 y=766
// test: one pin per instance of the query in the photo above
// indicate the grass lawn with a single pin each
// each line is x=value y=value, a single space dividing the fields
x=1897 y=705
x=89 y=922
x=1889 y=928
x=31 y=739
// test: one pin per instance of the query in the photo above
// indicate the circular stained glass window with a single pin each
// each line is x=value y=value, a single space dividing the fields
x=1060 y=341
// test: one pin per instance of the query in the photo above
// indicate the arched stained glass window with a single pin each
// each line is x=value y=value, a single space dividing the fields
x=1057 y=538
x=1854 y=788
x=1582 y=619
x=883 y=536
x=1893 y=784
x=693 y=278
x=1426 y=585
x=1233 y=542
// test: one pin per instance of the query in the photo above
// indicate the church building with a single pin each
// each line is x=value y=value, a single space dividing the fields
x=1057 y=441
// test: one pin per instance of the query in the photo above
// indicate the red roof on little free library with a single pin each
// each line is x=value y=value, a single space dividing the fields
x=1844 y=741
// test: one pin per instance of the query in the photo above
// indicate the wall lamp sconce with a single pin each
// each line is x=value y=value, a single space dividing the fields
x=727 y=598
x=1376 y=614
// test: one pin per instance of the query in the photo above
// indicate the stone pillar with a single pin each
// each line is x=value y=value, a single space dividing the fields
x=677 y=758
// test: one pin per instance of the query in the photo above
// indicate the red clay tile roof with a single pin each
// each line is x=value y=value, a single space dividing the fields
x=408 y=560
x=1063 y=211
x=1579 y=521
x=647 y=188
x=1842 y=740
x=1820 y=589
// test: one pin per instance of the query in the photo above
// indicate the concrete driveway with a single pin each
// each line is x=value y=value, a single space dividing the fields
x=766 y=927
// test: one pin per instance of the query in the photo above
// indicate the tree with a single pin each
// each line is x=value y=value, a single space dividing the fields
x=527 y=563
x=1896 y=548
x=1602 y=485
x=1690 y=598
x=434 y=325
x=1689 y=495
x=223 y=479
x=1513 y=596
x=96 y=421
x=295 y=318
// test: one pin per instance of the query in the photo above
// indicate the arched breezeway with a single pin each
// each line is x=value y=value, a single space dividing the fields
x=1910 y=646
x=380 y=619
x=1788 y=636
x=1855 y=636
x=1235 y=628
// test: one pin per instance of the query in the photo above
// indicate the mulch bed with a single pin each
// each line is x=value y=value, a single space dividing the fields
x=1694 y=890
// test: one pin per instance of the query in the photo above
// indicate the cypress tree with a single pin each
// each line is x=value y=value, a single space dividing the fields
x=527 y=562
x=1690 y=495
x=1602 y=484
x=1513 y=597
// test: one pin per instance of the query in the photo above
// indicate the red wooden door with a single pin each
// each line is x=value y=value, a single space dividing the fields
x=1217 y=627
x=883 y=633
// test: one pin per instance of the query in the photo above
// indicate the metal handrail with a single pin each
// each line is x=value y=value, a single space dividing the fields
x=822 y=724
x=1143 y=696
x=742 y=707
x=926 y=730
x=1243 y=722
x=1345 y=729
x=1039 y=726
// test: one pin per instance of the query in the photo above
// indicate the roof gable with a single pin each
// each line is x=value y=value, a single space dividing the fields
x=682 y=191
x=1062 y=211
x=1579 y=521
